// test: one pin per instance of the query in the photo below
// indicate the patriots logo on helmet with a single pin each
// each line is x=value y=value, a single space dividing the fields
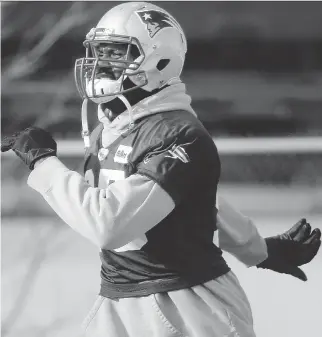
x=155 y=21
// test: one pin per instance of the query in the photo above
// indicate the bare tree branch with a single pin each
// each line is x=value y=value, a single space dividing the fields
x=27 y=63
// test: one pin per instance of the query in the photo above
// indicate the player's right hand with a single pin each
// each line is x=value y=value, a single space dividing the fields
x=295 y=247
x=30 y=145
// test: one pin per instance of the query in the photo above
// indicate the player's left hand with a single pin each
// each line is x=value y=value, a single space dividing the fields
x=30 y=145
x=295 y=247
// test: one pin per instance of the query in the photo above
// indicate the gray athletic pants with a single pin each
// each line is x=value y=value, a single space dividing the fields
x=218 y=308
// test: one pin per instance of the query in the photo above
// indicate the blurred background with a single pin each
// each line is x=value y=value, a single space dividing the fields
x=254 y=71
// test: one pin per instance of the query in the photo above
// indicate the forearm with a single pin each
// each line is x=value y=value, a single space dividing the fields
x=110 y=217
x=238 y=235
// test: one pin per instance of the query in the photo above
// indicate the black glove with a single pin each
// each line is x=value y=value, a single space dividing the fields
x=30 y=145
x=291 y=249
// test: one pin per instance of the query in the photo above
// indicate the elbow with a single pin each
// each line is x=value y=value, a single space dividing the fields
x=105 y=239
x=101 y=232
x=108 y=240
x=114 y=240
x=103 y=225
x=106 y=243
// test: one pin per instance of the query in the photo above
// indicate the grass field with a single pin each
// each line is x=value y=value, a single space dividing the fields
x=50 y=276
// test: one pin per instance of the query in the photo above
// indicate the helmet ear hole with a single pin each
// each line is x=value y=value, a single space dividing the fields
x=162 y=64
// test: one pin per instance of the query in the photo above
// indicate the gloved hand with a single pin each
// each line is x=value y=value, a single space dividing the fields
x=30 y=145
x=295 y=247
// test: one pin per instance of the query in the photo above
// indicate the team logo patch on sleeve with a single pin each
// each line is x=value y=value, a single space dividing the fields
x=178 y=152
x=122 y=154
x=172 y=151
x=155 y=21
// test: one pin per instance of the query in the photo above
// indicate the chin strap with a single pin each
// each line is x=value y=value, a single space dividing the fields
x=85 y=130
x=129 y=109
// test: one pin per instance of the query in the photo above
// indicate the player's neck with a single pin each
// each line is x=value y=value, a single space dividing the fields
x=116 y=106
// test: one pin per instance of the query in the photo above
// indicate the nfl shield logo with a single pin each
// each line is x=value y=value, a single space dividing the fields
x=102 y=154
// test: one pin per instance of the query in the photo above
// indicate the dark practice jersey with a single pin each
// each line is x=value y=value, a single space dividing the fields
x=174 y=150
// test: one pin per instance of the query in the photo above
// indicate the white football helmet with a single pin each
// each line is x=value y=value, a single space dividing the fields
x=155 y=52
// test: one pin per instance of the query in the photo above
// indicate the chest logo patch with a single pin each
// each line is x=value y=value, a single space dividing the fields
x=102 y=154
x=122 y=154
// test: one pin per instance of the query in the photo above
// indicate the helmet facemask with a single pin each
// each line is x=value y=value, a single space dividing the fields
x=109 y=60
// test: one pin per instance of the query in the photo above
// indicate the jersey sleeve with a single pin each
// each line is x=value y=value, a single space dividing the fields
x=181 y=165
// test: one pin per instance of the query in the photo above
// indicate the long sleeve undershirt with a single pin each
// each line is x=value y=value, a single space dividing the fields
x=125 y=210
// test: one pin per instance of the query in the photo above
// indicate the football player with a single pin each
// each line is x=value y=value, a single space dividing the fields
x=148 y=198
